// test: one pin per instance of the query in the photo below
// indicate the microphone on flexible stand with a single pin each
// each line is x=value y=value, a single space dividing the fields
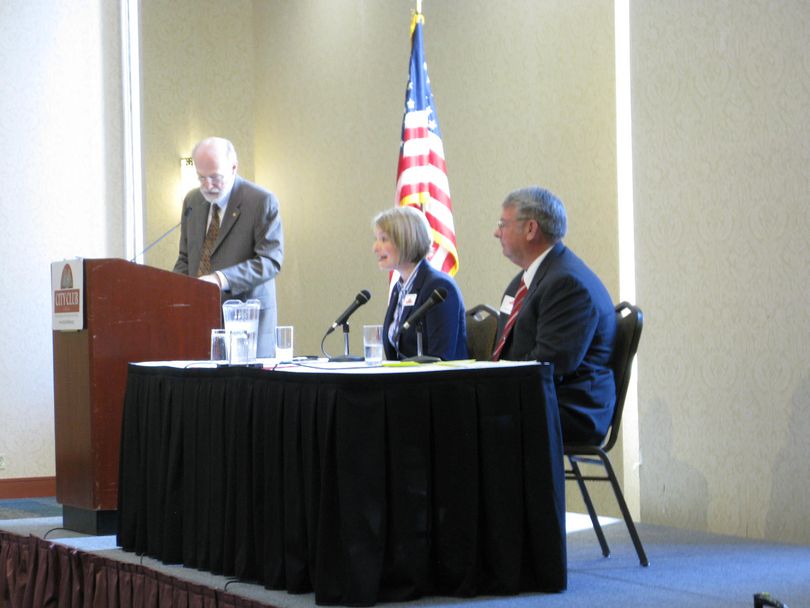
x=360 y=299
x=437 y=297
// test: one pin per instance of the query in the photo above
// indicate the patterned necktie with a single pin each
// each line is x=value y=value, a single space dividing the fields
x=516 y=304
x=208 y=243
x=397 y=320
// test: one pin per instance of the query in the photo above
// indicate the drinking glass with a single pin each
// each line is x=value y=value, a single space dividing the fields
x=284 y=342
x=219 y=345
x=372 y=344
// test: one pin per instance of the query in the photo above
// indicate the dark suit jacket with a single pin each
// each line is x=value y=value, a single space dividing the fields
x=569 y=320
x=444 y=327
x=249 y=249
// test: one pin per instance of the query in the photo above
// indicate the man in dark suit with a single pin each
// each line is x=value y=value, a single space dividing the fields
x=564 y=315
x=231 y=235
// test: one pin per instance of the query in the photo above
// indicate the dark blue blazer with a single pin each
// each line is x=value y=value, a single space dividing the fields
x=444 y=328
x=569 y=320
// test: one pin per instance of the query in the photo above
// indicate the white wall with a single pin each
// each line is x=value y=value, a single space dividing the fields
x=722 y=150
x=60 y=116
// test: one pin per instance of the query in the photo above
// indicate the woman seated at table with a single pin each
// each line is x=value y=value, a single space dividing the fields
x=402 y=240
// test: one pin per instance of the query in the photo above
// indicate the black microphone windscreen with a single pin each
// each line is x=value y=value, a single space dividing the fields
x=364 y=296
x=440 y=294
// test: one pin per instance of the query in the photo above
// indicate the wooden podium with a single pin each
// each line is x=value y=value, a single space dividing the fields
x=131 y=313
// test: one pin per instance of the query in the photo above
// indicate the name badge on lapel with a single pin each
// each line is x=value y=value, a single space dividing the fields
x=507 y=304
x=410 y=300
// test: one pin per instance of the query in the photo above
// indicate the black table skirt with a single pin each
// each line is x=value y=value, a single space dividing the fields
x=361 y=488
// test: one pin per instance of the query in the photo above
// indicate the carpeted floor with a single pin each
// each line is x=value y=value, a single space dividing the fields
x=19 y=508
x=687 y=569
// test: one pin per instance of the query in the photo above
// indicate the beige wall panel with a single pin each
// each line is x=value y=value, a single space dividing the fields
x=524 y=95
x=60 y=119
x=720 y=120
x=197 y=80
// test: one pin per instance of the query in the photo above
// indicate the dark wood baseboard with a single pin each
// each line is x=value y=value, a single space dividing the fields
x=27 y=487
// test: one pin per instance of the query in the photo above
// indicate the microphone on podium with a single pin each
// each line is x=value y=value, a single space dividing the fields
x=163 y=236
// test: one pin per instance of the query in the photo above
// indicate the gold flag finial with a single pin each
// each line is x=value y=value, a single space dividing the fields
x=417 y=16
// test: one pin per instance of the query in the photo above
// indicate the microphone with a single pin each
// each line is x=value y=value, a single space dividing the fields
x=360 y=299
x=437 y=297
x=163 y=236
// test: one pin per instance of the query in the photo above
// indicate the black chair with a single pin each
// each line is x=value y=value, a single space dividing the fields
x=482 y=325
x=761 y=600
x=630 y=321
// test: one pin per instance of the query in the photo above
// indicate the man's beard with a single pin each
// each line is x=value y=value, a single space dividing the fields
x=211 y=197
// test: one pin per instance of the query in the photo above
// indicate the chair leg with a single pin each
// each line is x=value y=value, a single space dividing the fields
x=628 y=520
x=586 y=497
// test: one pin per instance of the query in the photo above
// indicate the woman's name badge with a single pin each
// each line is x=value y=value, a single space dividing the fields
x=507 y=304
x=410 y=300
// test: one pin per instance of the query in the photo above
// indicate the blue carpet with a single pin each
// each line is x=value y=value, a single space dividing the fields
x=20 y=508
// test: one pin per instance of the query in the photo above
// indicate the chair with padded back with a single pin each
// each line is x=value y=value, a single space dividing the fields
x=630 y=321
x=763 y=600
x=482 y=325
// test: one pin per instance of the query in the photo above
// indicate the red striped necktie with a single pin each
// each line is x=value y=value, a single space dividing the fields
x=516 y=304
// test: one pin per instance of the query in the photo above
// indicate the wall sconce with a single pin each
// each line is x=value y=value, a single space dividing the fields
x=188 y=174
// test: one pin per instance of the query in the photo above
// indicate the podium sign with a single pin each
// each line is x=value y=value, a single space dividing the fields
x=67 y=306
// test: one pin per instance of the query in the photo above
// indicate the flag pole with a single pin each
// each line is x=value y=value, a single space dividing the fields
x=421 y=171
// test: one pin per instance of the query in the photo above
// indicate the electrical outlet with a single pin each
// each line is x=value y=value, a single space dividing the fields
x=2 y=462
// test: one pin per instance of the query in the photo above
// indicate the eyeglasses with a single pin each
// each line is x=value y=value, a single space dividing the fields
x=503 y=223
x=214 y=179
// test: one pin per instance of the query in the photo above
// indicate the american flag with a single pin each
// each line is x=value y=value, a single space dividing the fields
x=422 y=174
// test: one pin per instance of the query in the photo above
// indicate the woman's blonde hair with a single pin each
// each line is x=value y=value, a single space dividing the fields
x=408 y=230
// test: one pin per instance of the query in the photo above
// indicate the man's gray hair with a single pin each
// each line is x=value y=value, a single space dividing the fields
x=223 y=146
x=539 y=204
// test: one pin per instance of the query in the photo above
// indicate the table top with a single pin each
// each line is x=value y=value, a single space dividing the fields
x=323 y=365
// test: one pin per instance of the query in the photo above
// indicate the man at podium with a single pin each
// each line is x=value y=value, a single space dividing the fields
x=231 y=235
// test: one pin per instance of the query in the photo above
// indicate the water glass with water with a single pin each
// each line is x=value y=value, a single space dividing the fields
x=284 y=342
x=372 y=344
x=219 y=345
